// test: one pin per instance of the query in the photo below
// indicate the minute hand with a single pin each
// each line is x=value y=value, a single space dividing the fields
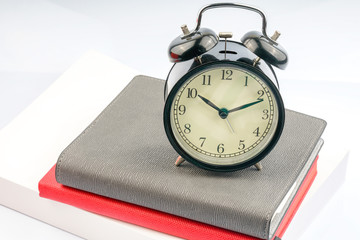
x=245 y=106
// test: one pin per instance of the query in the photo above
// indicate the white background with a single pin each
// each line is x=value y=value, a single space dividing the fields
x=40 y=39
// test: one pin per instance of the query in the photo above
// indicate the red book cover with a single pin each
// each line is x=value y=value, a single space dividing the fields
x=156 y=220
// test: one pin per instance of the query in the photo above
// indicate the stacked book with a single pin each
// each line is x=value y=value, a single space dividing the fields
x=122 y=166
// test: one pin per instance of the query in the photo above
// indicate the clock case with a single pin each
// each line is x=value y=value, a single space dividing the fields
x=224 y=53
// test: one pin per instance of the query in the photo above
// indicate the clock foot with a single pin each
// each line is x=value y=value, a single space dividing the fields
x=179 y=161
x=258 y=166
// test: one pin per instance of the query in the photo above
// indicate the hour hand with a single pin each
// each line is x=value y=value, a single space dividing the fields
x=245 y=106
x=208 y=102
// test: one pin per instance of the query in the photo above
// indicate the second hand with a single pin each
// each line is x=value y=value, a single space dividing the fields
x=227 y=120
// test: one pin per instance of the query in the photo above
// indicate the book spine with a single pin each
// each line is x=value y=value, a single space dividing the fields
x=299 y=197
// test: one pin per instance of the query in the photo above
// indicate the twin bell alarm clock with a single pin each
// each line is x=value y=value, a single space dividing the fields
x=223 y=110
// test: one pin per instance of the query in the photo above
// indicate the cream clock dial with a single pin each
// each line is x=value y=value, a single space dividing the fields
x=224 y=115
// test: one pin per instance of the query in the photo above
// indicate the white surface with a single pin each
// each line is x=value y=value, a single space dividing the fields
x=10 y=228
x=70 y=103
x=39 y=40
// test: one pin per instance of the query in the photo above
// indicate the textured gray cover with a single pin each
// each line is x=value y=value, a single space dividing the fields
x=124 y=154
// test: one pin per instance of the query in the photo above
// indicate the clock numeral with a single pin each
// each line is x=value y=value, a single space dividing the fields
x=241 y=145
x=220 y=148
x=266 y=114
x=261 y=93
x=203 y=141
x=206 y=80
x=182 y=109
x=187 y=129
x=226 y=74
x=246 y=81
x=192 y=93
x=256 y=132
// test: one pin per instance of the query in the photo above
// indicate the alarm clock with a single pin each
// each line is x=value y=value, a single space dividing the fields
x=223 y=110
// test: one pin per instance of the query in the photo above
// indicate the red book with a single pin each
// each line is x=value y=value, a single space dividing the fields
x=156 y=220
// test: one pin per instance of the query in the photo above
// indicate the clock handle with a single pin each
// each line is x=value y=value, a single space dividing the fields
x=192 y=44
x=260 y=44
x=231 y=5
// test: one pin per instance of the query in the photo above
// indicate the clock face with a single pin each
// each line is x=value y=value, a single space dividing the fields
x=224 y=115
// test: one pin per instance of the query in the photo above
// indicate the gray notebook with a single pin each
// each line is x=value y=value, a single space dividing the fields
x=124 y=154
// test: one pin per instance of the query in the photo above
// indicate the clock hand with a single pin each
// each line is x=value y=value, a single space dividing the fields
x=223 y=113
x=245 y=106
x=227 y=120
x=208 y=102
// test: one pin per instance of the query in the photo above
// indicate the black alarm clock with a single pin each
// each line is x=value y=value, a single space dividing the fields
x=223 y=110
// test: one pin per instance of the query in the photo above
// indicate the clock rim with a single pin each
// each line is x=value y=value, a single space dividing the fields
x=225 y=168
